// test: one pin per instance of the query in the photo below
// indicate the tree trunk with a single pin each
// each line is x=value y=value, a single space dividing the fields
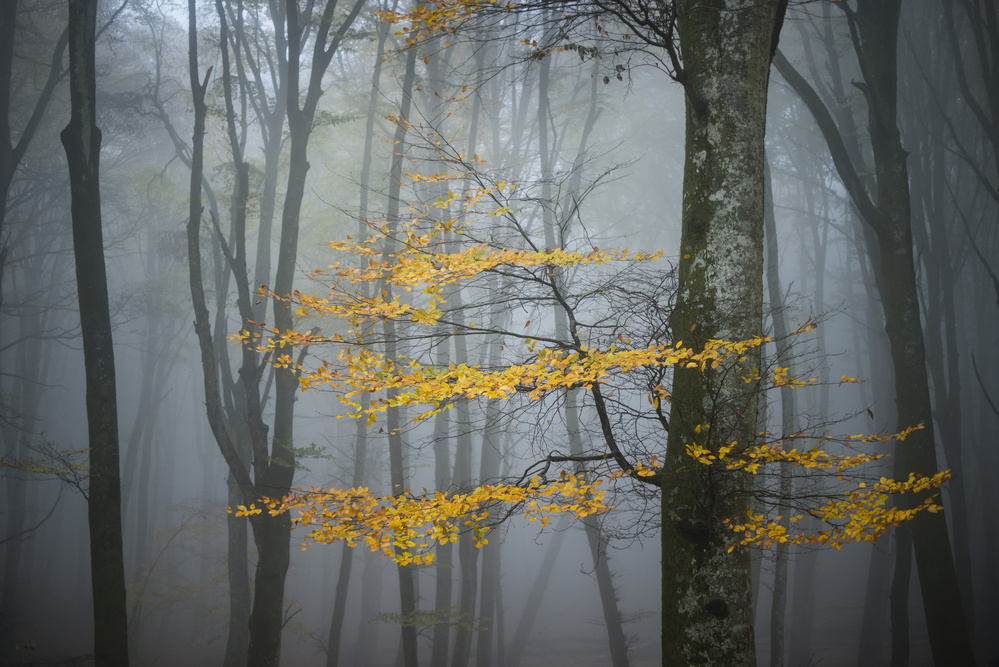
x=900 y=598
x=870 y=646
x=407 y=573
x=273 y=539
x=788 y=414
x=489 y=469
x=525 y=625
x=82 y=141
x=617 y=642
x=878 y=26
x=876 y=45
x=707 y=601
x=238 y=570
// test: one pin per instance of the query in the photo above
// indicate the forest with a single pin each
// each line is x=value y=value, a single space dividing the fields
x=554 y=332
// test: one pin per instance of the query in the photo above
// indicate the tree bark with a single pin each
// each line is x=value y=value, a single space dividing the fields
x=82 y=141
x=707 y=601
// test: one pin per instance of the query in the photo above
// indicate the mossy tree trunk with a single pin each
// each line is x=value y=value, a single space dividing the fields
x=726 y=47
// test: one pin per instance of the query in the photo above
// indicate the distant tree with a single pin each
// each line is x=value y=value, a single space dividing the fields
x=874 y=29
x=254 y=464
x=11 y=153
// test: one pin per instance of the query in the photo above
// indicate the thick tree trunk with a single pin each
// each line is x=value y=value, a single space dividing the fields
x=707 y=601
x=82 y=141
x=933 y=237
x=273 y=534
x=240 y=598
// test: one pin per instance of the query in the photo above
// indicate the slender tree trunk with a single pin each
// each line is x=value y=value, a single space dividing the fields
x=788 y=414
x=82 y=141
x=870 y=646
x=515 y=649
x=8 y=21
x=371 y=596
x=333 y=642
x=949 y=639
x=468 y=554
x=900 y=598
x=407 y=573
x=489 y=469
x=707 y=601
x=608 y=595
x=347 y=555
x=28 y=367
x=444 y=562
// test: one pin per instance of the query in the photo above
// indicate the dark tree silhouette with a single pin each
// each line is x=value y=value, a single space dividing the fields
x=82 y=141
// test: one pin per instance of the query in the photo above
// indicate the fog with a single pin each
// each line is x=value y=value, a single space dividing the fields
x=587 y=122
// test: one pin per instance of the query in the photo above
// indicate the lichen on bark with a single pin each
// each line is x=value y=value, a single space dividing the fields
x=707 y=602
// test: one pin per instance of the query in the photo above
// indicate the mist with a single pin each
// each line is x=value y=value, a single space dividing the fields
x=311 y=152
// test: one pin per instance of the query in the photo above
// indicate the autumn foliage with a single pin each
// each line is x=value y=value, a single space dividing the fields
x=451 y=241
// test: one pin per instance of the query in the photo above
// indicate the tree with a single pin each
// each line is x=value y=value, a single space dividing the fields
x=723 y=61
x=82 y=141
x=874 y=27
x=726 y=65
x=11 y=153
x=617 y=348
x=272 y=465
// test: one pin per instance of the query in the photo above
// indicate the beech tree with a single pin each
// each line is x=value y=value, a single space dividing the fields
x=262 y=465
x=617 y=349
x=82 y=141
x=720 y=52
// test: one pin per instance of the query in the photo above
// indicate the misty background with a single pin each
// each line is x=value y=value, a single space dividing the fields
x=604 y=113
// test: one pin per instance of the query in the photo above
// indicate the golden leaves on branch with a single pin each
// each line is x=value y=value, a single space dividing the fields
x=359 y=370
x=862 y=514
x=405 y=527
x=434 y=253
x=434 y=18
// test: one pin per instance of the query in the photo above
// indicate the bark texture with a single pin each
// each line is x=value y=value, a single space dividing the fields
x=707 y=601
